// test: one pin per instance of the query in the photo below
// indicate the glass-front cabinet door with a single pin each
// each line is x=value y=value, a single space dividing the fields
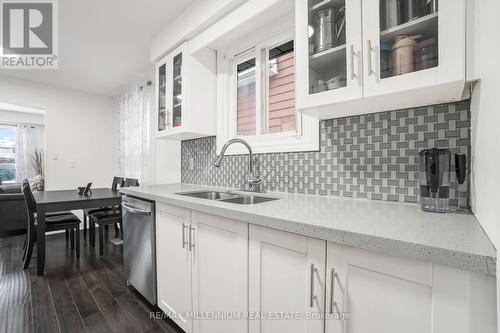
x=162 y=96
x=171 y=88
x=176 y=97
x=329 y=52
x=412 y=44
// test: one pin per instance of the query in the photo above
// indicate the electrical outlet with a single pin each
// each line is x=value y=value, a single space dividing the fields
x=72 y=164
x=55 y=156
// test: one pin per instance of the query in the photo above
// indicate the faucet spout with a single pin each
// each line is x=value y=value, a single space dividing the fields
x=218 y=159
x=254 y=184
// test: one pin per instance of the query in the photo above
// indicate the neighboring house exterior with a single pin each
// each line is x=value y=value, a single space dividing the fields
x=7 y=160
x=281 y=97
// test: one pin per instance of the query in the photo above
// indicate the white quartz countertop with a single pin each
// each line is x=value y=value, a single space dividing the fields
x=455 y=240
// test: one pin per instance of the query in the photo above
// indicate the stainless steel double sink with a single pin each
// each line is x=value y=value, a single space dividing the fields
x=231 y=197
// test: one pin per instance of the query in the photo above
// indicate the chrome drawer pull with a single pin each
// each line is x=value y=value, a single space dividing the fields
x=313 y=297
x=333 y=275
x=184 y=243
x=191 y=238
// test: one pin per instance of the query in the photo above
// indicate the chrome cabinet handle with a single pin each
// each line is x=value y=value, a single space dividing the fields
x=333 y=275
x=313 y=297
x=191 y=242
x=353 y=55
x=184 y=243
x=371 y=69
x=371 y=49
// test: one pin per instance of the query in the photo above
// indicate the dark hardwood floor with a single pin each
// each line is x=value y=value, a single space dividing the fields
x=85 y=295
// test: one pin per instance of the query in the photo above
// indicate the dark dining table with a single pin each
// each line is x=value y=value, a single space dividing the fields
x=55 y=201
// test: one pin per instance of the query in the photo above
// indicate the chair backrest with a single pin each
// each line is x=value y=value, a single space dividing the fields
x=130 y=182
x=29 y=200
x=117 y=181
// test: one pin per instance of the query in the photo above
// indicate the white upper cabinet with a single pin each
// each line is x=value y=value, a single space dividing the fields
x=360 y=57
x=329 y=51
x=421 y=45
x=186 y=94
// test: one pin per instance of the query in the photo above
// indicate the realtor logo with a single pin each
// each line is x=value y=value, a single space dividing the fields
x=28 y=32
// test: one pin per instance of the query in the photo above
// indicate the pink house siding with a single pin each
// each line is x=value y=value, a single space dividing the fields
x=246 y=109
x=281 y=100
x=282 y=96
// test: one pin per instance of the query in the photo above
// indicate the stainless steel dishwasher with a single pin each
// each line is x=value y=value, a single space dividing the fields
x=139 y=246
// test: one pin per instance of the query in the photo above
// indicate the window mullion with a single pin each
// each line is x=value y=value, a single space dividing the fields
x=258 y=91
x=265 y=91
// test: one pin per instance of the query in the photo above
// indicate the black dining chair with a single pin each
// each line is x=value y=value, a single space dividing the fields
x=52 y=223
x=117 y=182
x=50 y=214
x=105 y=218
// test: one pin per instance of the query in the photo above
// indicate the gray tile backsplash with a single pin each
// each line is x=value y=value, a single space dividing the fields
x=371 y=156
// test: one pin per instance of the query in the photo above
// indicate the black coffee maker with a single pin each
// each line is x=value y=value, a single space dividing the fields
x=434 y=179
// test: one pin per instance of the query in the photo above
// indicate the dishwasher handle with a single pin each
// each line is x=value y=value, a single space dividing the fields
x=136 y=211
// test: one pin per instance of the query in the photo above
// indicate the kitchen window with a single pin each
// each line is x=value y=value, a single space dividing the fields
x=259 y=99
x=7 y=153
x=275 y=88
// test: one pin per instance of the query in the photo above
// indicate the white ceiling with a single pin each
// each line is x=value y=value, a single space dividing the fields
x=104 y=45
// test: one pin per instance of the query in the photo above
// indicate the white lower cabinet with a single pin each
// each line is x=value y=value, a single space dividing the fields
x=202 y=265
x=390 y=294
x=213 y=266
x=286 y=277
x=220 y=273
x=173 y=263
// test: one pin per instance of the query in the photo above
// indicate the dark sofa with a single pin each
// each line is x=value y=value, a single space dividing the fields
x=13 y=214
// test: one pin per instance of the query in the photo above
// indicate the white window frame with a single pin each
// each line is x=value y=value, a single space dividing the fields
x=305 y=138
x=233 y=94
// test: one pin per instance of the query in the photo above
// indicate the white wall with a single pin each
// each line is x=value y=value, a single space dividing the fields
x=168 y=162
x=485 y=109
x=80 y=128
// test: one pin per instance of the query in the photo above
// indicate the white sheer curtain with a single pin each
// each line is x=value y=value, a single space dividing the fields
x=135 y=133
x=24 y=150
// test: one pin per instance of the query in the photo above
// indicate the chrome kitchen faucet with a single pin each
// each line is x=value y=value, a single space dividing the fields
x=254 y=184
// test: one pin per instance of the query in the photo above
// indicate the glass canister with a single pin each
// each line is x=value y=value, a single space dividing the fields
x=403 y=54
x=426 y=54
x=434 y=179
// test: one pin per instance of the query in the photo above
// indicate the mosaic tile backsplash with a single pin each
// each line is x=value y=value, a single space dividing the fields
x=371 y=156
